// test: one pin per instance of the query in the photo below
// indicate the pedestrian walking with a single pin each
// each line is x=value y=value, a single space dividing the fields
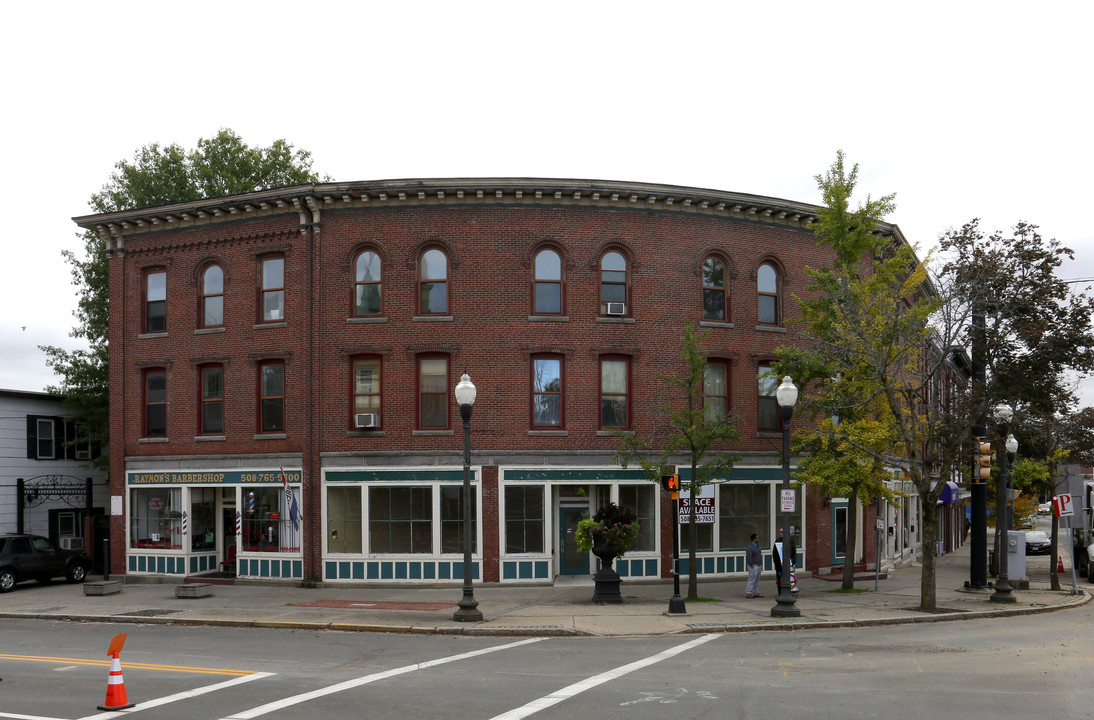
x=754 y=562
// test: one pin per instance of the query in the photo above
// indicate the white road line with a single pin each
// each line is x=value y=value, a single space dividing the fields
x=179 y=696
x=15 y=716
x=357 y=682
x=589 y=683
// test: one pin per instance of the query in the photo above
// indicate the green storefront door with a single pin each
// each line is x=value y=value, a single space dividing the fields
x=571 y=561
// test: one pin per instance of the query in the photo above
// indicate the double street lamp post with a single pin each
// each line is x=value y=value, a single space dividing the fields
x=786 y=395
x=468 y=610
x=1003 y=592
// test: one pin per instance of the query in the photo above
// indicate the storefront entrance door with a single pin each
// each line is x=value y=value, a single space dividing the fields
x=571 y=561
x=839 y=533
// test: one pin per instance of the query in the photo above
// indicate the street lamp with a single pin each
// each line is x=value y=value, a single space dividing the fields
x=468 y=610
x=786 y=395
x=1003 y=414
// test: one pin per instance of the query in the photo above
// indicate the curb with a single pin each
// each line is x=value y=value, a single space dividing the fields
x=532 y=631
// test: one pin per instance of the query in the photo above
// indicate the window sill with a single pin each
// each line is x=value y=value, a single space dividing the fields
x=149 y=440
x=433 y=433
x=149 y=336
x=271 y=436
x=366 y=433
x=769 y=434
x=269 y=325
x=209 y=438
x=209 y=331
x=432 y=318
x=616 y=321
x=612 y=433
x=548 y=318
x=716 y=324
x=365 y=320
x=548 y=433
x=770 y=329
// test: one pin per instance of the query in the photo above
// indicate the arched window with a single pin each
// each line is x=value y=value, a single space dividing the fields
x=433 y=283
x=767 y=290
x=547 y=285
x=714 y=290
x=366 y=288
x=212 y=297
x=613 y=284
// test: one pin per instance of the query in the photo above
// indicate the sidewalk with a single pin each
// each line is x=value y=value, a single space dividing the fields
x=564 y=609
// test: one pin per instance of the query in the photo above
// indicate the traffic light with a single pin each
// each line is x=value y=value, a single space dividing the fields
x=983 y=460
x=671 y=483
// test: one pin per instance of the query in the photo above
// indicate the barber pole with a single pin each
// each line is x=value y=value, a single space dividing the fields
x=239 y=524
x=185 y=524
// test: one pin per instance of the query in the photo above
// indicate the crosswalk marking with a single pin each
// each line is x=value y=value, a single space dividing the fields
x=357 y=682
x=589 y=683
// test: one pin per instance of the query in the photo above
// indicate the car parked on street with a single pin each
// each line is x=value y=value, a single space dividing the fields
x=31 y=557
x=1038 y=542
x=1044 y=508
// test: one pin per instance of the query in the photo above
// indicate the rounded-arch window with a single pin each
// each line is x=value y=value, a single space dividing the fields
x=714 y=290
x=547 y=285
x=613 y=284
x=767 y=290
x=433 y=283
x=366 y=287
x=212 y=297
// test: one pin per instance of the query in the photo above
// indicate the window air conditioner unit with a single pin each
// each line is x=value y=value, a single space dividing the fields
x=83 y=454
x=617 y=308
x=72 y=543
x=366 y=420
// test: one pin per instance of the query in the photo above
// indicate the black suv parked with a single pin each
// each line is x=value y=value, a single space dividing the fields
x=30 y=557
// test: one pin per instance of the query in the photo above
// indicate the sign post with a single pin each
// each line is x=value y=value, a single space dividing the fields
x=1064 y=507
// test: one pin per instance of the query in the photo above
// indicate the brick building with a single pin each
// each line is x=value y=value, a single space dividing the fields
x=321 y=329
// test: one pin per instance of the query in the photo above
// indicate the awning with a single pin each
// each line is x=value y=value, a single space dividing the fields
x=949 y=493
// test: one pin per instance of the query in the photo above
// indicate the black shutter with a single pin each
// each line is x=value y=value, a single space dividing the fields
x=32 y=437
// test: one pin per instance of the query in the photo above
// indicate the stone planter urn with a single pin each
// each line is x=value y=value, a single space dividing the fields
x=606 y=579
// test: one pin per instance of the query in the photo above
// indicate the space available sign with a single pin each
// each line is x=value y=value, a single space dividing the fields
x=705 y=510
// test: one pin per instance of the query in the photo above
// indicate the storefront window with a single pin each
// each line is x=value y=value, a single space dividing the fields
x=452 y=520
x=203 y=506
x=400 y=519
x=523 y=519
x=155 y=518
x=267 y=522
x=642 y=499
x=743 y=510
x=344 y=519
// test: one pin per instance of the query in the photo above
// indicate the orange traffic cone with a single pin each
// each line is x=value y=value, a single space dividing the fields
x=1059 y=563
x=115 y=687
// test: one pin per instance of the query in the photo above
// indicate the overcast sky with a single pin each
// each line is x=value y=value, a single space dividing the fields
x=961 y=109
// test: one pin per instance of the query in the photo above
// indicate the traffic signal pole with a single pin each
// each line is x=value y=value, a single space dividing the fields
x=672 y=484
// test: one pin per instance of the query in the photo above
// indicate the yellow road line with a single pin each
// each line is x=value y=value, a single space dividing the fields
x=129 y=665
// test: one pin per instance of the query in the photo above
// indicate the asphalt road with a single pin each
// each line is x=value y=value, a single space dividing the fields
x=1036 y=666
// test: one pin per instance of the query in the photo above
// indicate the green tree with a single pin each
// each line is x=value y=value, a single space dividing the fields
x=221 y=165
x=692 y=433
x=874 y=352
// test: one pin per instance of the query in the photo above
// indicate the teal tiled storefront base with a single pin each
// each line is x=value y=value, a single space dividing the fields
x=159 y=564
x=270 y=568
x=396 y=570
x=526 y=570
